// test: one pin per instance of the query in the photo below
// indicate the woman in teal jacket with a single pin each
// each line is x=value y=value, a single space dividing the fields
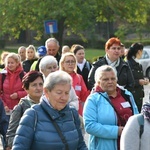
x=107 y=110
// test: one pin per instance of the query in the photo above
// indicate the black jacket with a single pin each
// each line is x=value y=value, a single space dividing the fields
x=138 y=90
x=124 y=74
x=85 y=72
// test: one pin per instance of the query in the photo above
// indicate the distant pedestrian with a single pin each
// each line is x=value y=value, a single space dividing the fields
x=22 y=53
x=134 y=54
x=83 y=66
x=65 y=49
x=30 y=58
x=52 y=48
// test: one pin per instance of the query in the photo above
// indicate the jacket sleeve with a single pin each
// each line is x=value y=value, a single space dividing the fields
x=130 y=135
x=25 y=131
x=92 y=126
x=73 y=99
x=130 y=81
x=81 y=144
x=84 y=91
x=91 y=79
x=3 y=120
x=13 y=124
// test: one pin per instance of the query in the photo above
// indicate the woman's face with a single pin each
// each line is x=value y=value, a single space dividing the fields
x=69 y=64
x=30 y=54
x=12 y=64
x=108 y=82
x=114 y=52
x=139 y=54
x=49 y=69
x=58 y=96
x=80 y=55
x=35 y=90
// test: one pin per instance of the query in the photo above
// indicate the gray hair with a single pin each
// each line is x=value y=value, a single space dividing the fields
x=55 y=78
x=47 y=60
x=21 y=47
x=100 y=70
x=51 y=40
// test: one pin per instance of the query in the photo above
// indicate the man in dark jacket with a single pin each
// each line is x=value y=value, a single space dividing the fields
x=112 y=58
x=52 y=47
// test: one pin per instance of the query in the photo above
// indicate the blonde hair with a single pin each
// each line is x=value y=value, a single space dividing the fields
x=32 y=48
x=14 y=56
x=3 y=56
x=63 y=57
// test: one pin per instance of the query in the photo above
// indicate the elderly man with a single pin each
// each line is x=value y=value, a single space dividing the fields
x=112 y=58
x=52 y=47
x=22 y=52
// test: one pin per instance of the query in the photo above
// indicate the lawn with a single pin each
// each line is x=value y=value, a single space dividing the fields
x=90 y=54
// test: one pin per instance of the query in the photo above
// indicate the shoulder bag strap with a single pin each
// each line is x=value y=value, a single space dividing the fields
x=58 y=130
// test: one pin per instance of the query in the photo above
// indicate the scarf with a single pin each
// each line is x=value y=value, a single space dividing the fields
x=146 y=111
x=113 y=64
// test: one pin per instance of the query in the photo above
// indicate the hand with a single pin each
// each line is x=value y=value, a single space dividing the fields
x=120 y=129
x=146 y=81
x=141 y=81
x=8 y=148
x=7 y=109
x=14 y=96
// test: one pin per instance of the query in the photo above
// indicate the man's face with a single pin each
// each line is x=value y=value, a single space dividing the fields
x=22 y=53
x=114 y=52
x=52 y=48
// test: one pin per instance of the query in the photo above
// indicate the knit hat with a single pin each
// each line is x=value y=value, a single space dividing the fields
x=41 y=51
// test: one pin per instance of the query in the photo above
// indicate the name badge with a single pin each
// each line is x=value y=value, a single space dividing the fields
x=125 y=104
x=77 y=88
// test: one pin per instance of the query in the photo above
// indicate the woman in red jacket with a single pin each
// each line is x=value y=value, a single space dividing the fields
x=11 y=84
x=68 y=63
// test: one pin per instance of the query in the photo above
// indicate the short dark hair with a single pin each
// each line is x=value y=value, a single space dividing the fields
x=30 y=77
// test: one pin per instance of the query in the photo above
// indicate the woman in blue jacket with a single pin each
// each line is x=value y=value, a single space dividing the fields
x=107 y=110
x=52 y=124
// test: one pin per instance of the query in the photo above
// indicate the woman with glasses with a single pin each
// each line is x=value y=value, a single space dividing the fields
x=68 y=63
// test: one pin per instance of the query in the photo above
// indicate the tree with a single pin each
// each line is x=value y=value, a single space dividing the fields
x=76 y=16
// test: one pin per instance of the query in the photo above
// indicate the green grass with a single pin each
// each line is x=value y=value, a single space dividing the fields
x=90 y=54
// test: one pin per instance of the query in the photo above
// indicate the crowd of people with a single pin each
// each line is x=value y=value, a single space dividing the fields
x=50 y=99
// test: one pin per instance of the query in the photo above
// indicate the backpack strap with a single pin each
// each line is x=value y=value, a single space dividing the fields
x=141 y=124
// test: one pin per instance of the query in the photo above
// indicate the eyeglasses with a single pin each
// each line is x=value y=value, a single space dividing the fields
x=70 y=62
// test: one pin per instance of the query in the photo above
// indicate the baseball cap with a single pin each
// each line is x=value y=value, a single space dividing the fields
x=41 y=51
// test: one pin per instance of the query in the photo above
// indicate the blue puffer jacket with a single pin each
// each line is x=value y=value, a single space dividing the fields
x=36 y=131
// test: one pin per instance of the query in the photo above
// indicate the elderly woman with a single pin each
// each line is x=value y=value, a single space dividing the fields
x=52 y=124
x=107 y=110
x=33 y=85
x=136 y=133
x=49 y=64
